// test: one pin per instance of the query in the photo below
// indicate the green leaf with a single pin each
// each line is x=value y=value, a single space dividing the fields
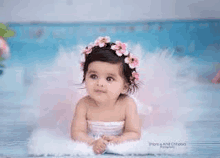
x=9 y=33
x=2 y=26
x=5 y=31
x=2 y=32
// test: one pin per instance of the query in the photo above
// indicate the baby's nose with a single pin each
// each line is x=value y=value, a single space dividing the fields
x=100 y=82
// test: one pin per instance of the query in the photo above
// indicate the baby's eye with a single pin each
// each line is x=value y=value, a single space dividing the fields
x=110 y=79
x=93 y=76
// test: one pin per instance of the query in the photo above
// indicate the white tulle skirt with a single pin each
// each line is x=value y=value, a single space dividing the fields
x=164 y=105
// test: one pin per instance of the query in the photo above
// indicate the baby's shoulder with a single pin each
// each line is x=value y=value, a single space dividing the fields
x=126 y=100
x=85 y=101
x=130 y=105
x=82 y=102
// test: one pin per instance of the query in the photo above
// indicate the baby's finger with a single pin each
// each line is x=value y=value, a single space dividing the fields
x=97 y=150
x=100 y=150
x=113 y=141
x=105 y=137
x=102 y=146
x=105 y=142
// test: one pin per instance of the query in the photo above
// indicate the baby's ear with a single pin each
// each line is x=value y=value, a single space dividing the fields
x=126 y=87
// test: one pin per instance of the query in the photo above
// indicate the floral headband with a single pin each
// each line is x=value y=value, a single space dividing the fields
x=120 y=49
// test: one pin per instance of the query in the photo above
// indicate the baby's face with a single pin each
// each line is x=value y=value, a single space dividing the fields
x=104 y=82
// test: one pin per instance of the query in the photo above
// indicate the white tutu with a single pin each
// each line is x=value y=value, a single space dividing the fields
x=163 y=101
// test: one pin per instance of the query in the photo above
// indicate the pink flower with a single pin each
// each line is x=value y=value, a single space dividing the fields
x=89 y=49
x=132 y=61
x=4 y=45
x=216 y=79
x=135 y=75
x=101 y=41
x=120 y=48
x=4 y=49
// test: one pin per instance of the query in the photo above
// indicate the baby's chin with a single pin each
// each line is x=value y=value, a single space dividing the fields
x=102 y=99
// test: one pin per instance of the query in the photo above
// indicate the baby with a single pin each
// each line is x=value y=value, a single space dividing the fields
x=107 y=114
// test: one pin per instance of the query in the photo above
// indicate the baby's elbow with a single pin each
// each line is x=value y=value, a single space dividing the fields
x=139 y=135
x=74 y=136
x=77 y=136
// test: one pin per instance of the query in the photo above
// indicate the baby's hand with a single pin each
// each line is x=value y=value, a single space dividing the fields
x=112 y=139
x=99 y=146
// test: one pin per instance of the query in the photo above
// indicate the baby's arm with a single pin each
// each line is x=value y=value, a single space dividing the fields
x=79 y=124
x=132 y=122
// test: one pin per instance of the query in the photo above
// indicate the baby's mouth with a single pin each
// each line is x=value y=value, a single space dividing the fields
x=99 y=91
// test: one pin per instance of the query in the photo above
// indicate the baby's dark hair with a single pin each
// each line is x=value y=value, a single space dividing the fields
x=106 y=54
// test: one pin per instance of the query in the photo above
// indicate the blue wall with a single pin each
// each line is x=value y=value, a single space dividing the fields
x=39 y=43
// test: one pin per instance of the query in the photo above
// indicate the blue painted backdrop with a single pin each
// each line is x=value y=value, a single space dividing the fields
x=41 y=41
x=39 y=44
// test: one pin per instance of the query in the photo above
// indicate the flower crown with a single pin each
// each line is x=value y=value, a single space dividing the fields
x=120 y=49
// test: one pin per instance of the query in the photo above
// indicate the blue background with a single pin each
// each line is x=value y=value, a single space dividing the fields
x=38 y=43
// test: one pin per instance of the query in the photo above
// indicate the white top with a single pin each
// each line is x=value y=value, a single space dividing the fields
x=99 y=128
